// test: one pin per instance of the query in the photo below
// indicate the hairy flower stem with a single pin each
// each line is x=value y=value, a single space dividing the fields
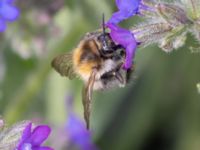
x=150 y=33
x=167 y=24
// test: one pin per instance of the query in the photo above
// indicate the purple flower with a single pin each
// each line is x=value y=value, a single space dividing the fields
x=76 y=130
x=126 y=39
x=127 y=8
x=33 y=140
x=7 y=13
x=78 y=134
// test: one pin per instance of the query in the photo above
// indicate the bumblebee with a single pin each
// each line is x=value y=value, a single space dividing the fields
x=98 y=61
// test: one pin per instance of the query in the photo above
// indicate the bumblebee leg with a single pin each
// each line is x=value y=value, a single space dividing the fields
x=114 y=73
x=119 y=77
x=87 y=97
x=129 y=73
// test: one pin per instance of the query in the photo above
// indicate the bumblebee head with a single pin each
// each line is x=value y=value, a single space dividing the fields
x=108 y=46
x=104 y=37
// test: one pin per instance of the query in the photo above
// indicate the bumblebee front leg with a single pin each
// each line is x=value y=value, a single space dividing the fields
x=87 y=97
x=129 y=73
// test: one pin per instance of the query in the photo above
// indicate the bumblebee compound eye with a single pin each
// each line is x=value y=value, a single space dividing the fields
x=119 y=55
x=104 y=40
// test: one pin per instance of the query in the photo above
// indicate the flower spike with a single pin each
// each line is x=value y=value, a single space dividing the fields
x=33 y=139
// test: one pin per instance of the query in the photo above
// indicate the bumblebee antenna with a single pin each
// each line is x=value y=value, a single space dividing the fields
x=105 y=45
x=103 y=25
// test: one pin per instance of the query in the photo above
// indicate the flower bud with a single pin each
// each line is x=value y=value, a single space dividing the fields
x=173 y=14
x=196 y=30
x=147 y=34
x=192 y=8
x=172 y=42
x=179 y=41
x=166 y=45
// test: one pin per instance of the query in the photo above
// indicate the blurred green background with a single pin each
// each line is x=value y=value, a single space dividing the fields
x=159 y=109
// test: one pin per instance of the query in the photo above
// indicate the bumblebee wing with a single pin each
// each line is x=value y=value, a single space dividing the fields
x=87 y=97
x=63 y=64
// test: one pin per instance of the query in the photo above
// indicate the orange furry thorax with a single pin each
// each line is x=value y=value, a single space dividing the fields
x=86 y=57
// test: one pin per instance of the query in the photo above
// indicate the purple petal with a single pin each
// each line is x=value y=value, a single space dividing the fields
x=127 y=8
x=2 y=25
x=25 y=146
x=76 y=127
x=130 y=53
x=126 y=39
x=27 y=132
x=39 y=135
x=9 y=1
x=130 y=5
x=8 y=12
x=119 y=16
x=42 y=148
x=78 y=133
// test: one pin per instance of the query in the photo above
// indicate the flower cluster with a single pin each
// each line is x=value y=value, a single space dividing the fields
x=166 y=24
x=23 y=136
x=20 y=136
x=8 y=13
x=26 y=136
x=32 y=140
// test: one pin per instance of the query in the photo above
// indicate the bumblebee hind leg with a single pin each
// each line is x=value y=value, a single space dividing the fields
x=87 y=97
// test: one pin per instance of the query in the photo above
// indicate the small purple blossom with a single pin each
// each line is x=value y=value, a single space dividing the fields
x=126 y=39
x=78 y=134
x=127 y=9
x=8 y=13
x=33 y=140
x=76 y=130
